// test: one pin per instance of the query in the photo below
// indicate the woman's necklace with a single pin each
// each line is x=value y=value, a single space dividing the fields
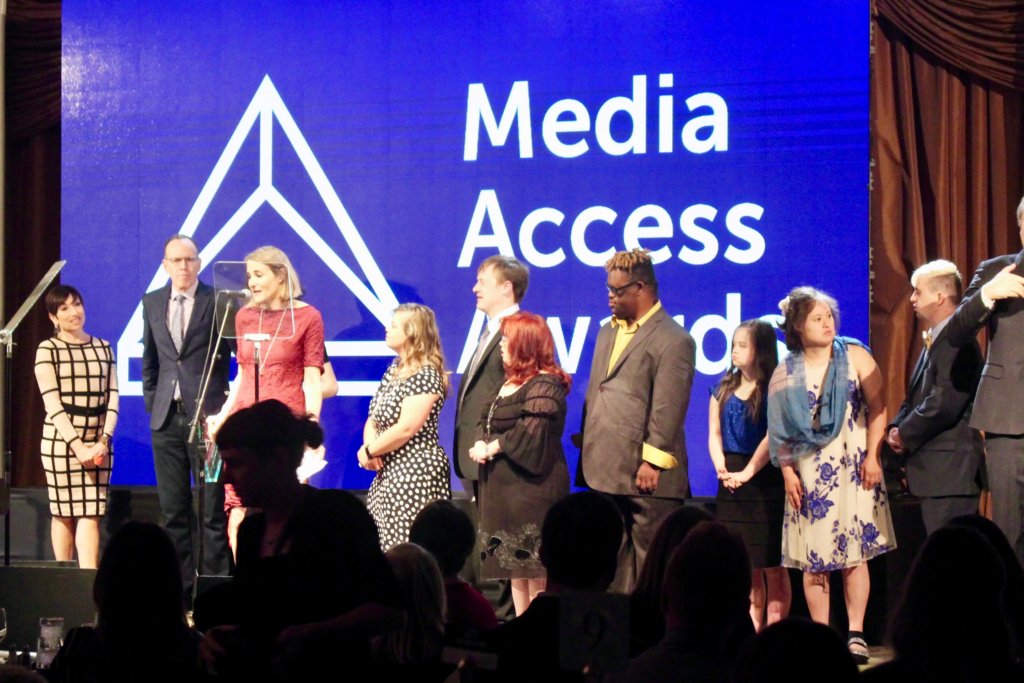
x=263 y=359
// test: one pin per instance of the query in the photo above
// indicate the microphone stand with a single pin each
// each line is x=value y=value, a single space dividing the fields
x=196 y=438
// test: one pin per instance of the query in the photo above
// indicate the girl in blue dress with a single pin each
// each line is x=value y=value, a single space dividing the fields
x=751 y=496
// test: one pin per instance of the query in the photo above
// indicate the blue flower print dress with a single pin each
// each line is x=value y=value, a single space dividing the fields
x=840 y=524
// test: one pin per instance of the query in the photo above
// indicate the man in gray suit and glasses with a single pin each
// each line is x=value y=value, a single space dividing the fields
x=178 y=321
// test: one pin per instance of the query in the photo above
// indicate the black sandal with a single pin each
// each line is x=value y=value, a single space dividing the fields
x=858 y=647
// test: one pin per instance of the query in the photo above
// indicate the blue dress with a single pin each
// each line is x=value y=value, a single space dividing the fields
x=754 y=510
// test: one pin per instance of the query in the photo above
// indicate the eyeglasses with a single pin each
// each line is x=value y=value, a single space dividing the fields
x=617 y=292
x=186 y=260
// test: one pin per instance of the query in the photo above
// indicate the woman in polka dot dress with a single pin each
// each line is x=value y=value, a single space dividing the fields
x=400 y=436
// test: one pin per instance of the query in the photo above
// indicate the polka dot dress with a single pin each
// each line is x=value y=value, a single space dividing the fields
x=415 y=474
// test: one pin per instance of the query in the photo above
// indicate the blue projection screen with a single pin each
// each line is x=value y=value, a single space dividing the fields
x=389 y=147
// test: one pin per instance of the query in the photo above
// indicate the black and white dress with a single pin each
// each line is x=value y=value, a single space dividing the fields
x=418 y=472
x=78 y=383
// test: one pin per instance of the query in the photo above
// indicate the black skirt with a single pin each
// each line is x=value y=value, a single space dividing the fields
x=755 y=510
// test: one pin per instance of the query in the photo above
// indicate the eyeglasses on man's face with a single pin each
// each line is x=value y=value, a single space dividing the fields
x=182 y=260
x=617 y=292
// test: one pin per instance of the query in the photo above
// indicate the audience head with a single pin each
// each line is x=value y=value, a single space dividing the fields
x=1014 y=596
x=798 y=307
x=501 y=281
x=137 y=589
x=796 y=644
x=669 y=536
x=447 y=533
x=270 y=268
x=261 y=446
x=580 y=541
x=422 y=591
x=953 y=603
x=528 y=349
x=707 y=583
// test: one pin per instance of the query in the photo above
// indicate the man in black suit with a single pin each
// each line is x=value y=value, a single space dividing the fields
x=501 y=283
x=178 y=321
x=995 y=299
x=932 y=426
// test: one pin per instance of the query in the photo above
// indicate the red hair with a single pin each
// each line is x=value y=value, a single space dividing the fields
x=531 y=349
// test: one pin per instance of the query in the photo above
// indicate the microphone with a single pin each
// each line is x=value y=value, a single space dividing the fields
x=235 y=293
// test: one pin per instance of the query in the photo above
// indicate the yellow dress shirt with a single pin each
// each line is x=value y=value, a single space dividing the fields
x=623 y=335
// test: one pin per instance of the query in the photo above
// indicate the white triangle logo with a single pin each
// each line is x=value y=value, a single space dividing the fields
x=377 y=297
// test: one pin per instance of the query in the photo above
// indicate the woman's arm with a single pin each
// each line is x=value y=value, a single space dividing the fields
x=757 y=462
x=715 y=438
x=414 y=413
x=46 y=378
x=871 y=384
x=101 y=451
x=213 y=422
x=328 y=381
x=312 y=391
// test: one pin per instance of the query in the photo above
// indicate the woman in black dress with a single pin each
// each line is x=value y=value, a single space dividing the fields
x=522 y=465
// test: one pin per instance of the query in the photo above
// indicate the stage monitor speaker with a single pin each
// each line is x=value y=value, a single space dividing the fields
x=30 y=592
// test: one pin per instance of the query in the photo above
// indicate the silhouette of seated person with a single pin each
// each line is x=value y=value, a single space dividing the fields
x=951 y=623
x=646 y=622
x=141 y=632
x=412 y=652
x=447 y=533
x=1014 y=592
x=580 y=541
x=706 y=605
x=784 y=650
x=311 y=587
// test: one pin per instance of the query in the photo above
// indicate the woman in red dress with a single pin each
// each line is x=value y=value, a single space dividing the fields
x=291 y=358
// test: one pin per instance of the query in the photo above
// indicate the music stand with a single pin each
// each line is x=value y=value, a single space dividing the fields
x=7 y=340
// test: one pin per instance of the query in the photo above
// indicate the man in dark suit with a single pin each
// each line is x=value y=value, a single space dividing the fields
x=178 y=320
x=995 y=299
x=633 y=440
x=501 y=283
x=932 y=426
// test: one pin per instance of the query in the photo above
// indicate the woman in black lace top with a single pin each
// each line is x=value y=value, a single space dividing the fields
x=522 y=465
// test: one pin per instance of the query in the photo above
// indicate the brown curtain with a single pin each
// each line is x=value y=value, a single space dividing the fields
x=32 y=205
x=947 y=109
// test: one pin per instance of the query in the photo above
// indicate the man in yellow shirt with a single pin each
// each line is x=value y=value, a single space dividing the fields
x=633 y=439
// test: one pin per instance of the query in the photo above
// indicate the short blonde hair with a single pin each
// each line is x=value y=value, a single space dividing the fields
x=278 y=262
x=942 y=275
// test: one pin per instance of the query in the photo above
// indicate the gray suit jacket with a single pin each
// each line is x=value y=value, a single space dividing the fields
x=943 y=452
x=162 y=364
x=476 y=392
x=999 y=404
x=642 y=400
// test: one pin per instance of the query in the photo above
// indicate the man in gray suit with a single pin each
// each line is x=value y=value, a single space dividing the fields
x=633 y=444
x=178 y=320
x=932 y=426
x=995 y=300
